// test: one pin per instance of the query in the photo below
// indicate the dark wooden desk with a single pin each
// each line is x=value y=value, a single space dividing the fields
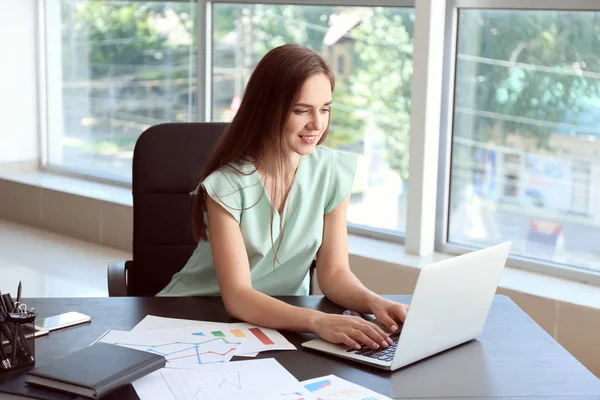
x=513 y=359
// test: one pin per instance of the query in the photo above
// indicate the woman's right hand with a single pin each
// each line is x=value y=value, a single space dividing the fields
x=351 y=331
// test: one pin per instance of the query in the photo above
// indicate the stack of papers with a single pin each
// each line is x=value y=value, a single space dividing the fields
x=179 y=348
x=197 y=342
x=255 y=339
x=198 y=367
x=263 y=379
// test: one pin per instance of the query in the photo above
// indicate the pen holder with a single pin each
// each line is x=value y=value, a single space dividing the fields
x=17 y=341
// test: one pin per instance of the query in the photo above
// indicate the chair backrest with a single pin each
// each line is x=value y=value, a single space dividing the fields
x=167 y=162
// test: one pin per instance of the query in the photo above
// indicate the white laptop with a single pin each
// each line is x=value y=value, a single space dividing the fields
x=449 y=307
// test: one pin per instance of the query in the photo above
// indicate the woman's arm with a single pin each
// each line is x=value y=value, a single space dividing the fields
x=339 y=284
x=233 y=273
x=336 y=281
x=245 y=303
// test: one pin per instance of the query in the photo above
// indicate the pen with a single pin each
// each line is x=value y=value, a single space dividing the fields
x=2 y=305
x=3 y=316
x=18 y=297
x=8 y=303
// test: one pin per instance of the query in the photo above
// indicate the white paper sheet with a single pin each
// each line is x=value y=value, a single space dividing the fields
x=249 y=355
x=179 y=348
x=257 y=338
x=263 y=379
x=333 y=388
x=152 y=322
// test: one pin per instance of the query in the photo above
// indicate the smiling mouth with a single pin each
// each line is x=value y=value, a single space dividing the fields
x=309 y=139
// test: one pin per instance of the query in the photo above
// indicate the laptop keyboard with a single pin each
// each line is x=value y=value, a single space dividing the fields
x=381 y=354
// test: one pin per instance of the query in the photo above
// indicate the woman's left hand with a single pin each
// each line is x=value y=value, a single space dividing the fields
x=389 y=313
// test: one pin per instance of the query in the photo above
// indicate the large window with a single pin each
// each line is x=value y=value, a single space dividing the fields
x=116 y=68
x=524 y=101
x=526 y=140
x=370 y=50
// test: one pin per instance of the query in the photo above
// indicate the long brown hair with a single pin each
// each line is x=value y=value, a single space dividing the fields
x=257 y=128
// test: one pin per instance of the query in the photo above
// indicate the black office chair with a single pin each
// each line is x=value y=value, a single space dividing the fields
x=167 y=163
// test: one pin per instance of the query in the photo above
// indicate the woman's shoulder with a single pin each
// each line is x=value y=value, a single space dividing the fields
x=236 y=173
x=236 y=181
x=327 y=165
x=234 y=186
x=339 y=168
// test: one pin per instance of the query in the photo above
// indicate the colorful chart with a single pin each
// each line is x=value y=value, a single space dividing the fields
x=260 y=335
x=332 y=387
x=257 y=332
x=315 y=386
x=178 y=350
x=238 y=333
x=173 y=351
x=255 y=339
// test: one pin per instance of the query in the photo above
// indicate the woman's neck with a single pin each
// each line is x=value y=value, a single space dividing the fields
x=278 y=183
x=268 y=166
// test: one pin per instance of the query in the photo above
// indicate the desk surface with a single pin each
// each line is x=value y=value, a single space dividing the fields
x=513 y=358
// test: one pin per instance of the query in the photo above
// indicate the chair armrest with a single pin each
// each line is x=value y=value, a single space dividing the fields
x=312 y=277
x=117 y=278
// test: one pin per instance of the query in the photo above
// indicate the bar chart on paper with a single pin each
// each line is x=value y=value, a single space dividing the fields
x=200 y=348
x=257 y=339
x=263 y=379
x=332 y=387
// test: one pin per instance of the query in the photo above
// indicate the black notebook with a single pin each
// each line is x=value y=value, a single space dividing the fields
x=17 y=389
x=96 y=370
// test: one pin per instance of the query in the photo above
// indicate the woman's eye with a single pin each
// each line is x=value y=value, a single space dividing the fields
x=300 y=112
x=326 y=110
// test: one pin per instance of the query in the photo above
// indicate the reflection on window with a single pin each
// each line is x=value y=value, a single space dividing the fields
x=527 y=134
x=123 y=67
x=370 y=49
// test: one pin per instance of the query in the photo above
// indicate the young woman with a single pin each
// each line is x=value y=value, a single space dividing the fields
x=271 y=200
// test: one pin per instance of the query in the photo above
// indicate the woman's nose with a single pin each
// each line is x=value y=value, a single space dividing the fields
x=317 y=123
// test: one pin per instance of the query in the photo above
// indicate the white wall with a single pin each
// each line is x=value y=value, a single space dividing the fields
x=18 y=100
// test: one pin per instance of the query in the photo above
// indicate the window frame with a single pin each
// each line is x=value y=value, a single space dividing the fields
x=203 y=91
x=47 y=86
x=447 y=126
x=421 y=241
x=356 y=229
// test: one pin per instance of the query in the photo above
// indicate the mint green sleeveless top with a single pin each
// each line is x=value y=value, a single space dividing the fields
x=323 y=180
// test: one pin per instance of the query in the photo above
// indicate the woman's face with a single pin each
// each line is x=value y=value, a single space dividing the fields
x=309 y=117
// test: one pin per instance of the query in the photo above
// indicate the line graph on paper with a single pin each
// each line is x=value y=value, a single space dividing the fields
x=189 y=384
x=262 y=379
x=188 y=350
